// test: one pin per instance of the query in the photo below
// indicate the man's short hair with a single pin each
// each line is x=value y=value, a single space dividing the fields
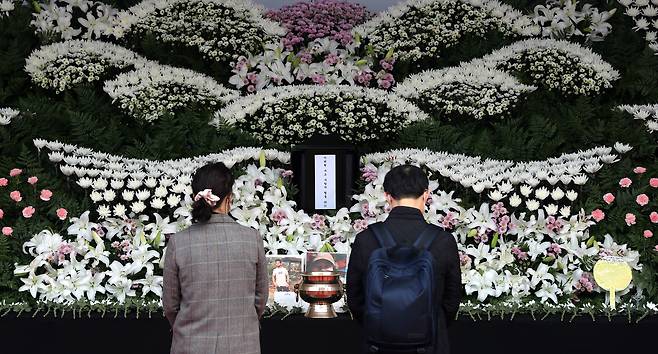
x=406 y=181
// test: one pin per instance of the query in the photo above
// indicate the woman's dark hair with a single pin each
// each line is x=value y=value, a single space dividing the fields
x=214 y=176
x=405 y=181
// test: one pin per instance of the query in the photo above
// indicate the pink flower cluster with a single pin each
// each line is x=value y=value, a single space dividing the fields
x=319 y=221
x=124 y=247
x=449 y=221
x=464 y=260
x=585 y=283
x=360 y=225
x=499 y=212
x=519 y=254
x=26 y=211
x=369 y=174
x=306 y=21
x=58 y=257
x=278 y=216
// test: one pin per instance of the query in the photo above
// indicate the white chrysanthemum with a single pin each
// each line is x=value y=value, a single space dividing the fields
x=417 y=29
x=221 y=29
x=60 y=65
x=468 y=90
x=558 y=65
x=290 y=114
x=149 y=92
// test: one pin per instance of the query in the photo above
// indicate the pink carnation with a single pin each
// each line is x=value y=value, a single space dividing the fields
x=7 y=231
x=642 y=199
x=608 y=198
x=45 y=195
x=33 y=180
x=656 y=248
x=648 y=234
x=3 y=182
x=639 y=170
x=15 y=196
x=2 y=214
x=653 y=182
x=653 y=217
x=630 y=219
x=598 y=215
x=28 y=211
x=625 y=182
x=15 y=172
x=62 y=213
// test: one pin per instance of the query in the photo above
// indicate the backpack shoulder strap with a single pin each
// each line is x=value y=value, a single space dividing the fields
x=382 y=235
x=424 y=241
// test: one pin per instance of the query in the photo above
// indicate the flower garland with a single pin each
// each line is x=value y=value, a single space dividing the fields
x=308 y=21
x=119 y=185
x=417 y=29
x=294 y=113
x=323 y=61
x=646 y=113
x=560 y=19
x=61 y=65
x=222 y=30
x=477 y=92
x=645 y=15
x=557 y=65
x=149 y=92
x=7 y=114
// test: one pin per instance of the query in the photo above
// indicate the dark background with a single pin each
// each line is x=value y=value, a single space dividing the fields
x=297 y=334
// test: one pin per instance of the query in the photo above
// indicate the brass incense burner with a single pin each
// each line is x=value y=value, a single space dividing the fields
x=320 y=290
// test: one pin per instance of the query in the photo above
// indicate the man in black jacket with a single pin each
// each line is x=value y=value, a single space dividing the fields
x=406 y=190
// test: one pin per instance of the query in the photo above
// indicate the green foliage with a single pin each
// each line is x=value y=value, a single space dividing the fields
x=544 y=125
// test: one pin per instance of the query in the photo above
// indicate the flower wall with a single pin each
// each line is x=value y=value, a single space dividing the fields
x=533 y=120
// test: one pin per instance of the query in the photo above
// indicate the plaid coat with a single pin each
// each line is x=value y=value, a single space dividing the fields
x=215 y=287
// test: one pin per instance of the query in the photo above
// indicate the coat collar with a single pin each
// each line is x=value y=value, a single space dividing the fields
x=404 y=212
x=220 y=218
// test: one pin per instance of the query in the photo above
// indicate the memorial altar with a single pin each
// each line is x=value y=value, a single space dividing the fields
x=535 y=122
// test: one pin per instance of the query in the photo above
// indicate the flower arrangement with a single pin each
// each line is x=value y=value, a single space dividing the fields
x=323 y=62
x=557 y=65
x=472 y=91
x=417 y=29
x=504 y=254
x=645 y=16
x=7 y=114
x=646 y=113
x=21 y=197
x=295 y=113
x=149 y=92
x=222 y=30
x=308 y=21
x=61 y=65
x=114 y=259
x=79 y=19
x=561 y=19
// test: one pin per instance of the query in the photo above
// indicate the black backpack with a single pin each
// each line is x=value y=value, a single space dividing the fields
x=400 y=309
